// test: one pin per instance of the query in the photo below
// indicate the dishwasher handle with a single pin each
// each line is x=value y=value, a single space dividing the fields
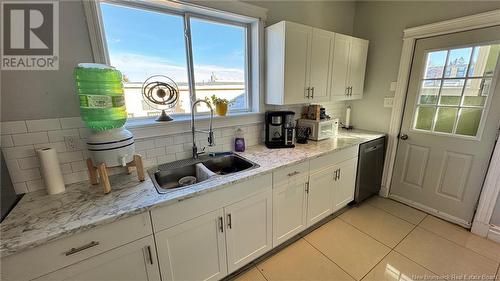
x=372 y=148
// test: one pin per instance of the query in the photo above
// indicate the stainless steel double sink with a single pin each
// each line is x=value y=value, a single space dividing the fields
x=166 y=176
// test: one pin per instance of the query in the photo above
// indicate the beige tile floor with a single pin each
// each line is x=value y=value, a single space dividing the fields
x=383 y=240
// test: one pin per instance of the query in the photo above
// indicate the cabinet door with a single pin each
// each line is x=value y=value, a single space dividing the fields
x=357 y=66
x=193 y=250
x=133 y=261
x=340 y=67
x=345 y=183
x=297 y=49
x=289 y=209
x=320 y=64
x=248 y=229
x=320 y=191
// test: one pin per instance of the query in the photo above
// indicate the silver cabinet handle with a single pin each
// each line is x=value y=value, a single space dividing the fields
x=312 y=90
x=229 y=223
x=346 y=91
x=335 y=175
x=307 y=187
x=293 y=173
x=308 y=91
x=84 y=247
x=350 y=91
x=150 y=255
x=221 y=224
x=339 y=173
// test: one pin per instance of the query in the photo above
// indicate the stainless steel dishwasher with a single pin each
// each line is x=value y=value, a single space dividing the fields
x=370 y=168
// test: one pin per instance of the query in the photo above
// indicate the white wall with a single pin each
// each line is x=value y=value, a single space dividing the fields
x=382 y=23
x=49 y=94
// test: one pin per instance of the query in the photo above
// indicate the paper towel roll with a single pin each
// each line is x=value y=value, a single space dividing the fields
x=51 y=171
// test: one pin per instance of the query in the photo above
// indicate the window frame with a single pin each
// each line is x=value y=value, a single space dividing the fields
x=485 y=108
x=101 y=51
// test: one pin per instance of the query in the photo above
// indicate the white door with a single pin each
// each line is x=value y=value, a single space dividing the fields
x=297 y=49
x=340 y=66
x=248 y=229
x=345 y=183
x=289 y=209
x=357 y=66
x=193 y=250
x=319 y=197
x=133 y=261
x=320 y=63
x=450 y=122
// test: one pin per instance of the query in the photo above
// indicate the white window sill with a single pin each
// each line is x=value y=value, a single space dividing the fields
x=148 y=127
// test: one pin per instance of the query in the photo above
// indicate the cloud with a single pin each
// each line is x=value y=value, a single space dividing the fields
x=139 y=67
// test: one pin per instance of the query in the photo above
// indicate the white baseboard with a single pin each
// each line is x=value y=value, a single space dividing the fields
x=494 y=233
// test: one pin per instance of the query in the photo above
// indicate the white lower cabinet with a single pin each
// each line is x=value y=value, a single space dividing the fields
x=345 y=183
x=320 y=195
x=248 y=229
x=194 y=250
x=289 y=209
x=133 y=261
x=215 y=244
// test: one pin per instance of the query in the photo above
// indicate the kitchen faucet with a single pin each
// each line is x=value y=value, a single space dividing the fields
x=210 y=131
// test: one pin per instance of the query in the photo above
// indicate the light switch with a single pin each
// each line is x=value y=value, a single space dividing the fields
x=388 y=101
x=393 y=86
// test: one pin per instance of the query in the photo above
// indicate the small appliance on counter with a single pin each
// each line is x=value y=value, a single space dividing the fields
x=320 y=129
x=280 y=129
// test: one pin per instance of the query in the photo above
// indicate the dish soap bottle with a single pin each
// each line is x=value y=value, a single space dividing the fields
x=239 y=141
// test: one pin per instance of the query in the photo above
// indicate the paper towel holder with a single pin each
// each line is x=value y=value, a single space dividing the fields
x=101 y=172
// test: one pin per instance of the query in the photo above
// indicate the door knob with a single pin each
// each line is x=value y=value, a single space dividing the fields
x=404 y=137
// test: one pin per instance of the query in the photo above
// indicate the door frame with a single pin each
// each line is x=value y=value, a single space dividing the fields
x=491 y=186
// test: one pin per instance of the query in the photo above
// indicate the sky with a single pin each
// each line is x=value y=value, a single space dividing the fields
x=144 y=43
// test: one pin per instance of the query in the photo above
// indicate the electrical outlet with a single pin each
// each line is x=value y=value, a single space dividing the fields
x=388 y=101
x=71 y=142
x=392 y=88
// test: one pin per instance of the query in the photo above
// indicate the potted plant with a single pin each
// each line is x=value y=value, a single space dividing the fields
x=220 y=104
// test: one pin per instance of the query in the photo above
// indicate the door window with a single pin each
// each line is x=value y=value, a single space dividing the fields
x=454 y=90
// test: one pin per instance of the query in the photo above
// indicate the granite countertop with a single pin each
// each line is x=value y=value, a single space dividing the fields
x=40 y=218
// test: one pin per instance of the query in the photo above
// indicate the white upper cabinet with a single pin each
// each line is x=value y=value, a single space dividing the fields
x=298 y=63
x=349 y=65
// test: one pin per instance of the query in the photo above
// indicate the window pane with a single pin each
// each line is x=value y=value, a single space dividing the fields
x=424 y=118
x=445 y=119
x=484 y=60
x=451 y=92
x=219 y=52
x=429 y=91
x=476 y=91
x=468 y=121
x=144 y=43
x=458 y=61
x=435 y=64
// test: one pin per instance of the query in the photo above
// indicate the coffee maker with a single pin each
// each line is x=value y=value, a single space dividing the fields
x=280 y=129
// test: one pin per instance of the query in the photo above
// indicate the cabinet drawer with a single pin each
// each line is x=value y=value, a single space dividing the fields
x=333 y=158
x=179 y=212
x=284 y=175
x=60 y=253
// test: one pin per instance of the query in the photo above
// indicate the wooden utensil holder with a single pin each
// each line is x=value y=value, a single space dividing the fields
x=102 y=171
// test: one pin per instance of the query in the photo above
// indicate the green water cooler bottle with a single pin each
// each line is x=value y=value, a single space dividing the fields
x=102 y=108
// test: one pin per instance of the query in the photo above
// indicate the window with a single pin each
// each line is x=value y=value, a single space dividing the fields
x=454 y=90
x=213 y=60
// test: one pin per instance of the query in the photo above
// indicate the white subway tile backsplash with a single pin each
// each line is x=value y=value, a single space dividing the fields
x=144 y=144
x=58 y=146
x=6 y=141
x=166 y=158
x=72 y=123
x=75 y=177
x=183 y=155
x=174 y=148
x=18 y=152
x=20 y=187
x=28 y=163
x=35 y=185
x=30 y=138
x=43 y=125
x=66 y=169
x=165 y=141
x=13 y=127
x=25 y=175
x=72 y=156
x=58 y=136
x=78 y=166
x=152 y=153
x=84 y=132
